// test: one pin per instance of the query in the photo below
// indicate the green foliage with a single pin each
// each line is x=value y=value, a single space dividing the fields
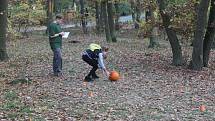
x=26 y=109
x=182 y=13
x=145 y=28
x=183 y=16
x=65 y=3
x=22 y=81
x=23 y=15
x=124 y=8
x=11 y=95
x=13 y=103
x=176 y=2
x=13 y=115
x=10 y=105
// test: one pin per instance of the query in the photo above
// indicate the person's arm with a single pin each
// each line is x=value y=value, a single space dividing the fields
x=101 y=64
x=58 y=34
x=52 y=32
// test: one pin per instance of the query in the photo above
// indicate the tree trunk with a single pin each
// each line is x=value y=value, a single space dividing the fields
x=116 y=5
x=174 y=42
x=3 y=29
x=83 y=19
x=138 y=12
x=133 y=10
x=49 y=14
x=153 y=42
x=147 y=15
x=135 y=6
x=57 y=6
x=97 y=17
x=210 y=35
x=101 y=16
x=111 y=21
x=73 y=2
x=105 y=17
x=154 y=31
x=197 y=55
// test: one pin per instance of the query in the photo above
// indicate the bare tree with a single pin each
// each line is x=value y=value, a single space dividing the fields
x=3 y=29
x=197 y=55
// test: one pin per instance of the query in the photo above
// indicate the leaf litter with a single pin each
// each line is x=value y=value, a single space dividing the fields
x=150 y=87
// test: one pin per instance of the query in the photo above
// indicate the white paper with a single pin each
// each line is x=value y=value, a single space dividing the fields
x=66 y=35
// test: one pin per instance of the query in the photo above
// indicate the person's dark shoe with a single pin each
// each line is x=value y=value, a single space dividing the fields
x=56 y=74
x=59 y=74
x=95 y=76
x=88 y=79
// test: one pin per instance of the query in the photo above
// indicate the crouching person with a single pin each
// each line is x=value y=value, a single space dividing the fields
x=94 y=55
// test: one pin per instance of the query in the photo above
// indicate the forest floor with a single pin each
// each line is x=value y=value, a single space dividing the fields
x=150 y=88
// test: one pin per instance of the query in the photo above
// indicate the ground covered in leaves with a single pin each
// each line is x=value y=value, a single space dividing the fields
x=150 y=88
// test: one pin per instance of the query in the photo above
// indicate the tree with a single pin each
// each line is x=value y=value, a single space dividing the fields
x=101 y=17
x=174 y=42
x=210 y=34
x=83 y=17
x=111 y=21
x=49 y=13
x=135 y=6
x=105 y=17
x=116 y=5
x=154 y=29
x=3 y=29
x=197 y=55
x=98 y=14
x=138 y=11
x=57 y=6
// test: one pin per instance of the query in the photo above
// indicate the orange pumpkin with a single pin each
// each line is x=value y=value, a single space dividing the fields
x=114 y=76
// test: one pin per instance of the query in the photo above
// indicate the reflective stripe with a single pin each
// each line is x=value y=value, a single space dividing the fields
x=85 y=53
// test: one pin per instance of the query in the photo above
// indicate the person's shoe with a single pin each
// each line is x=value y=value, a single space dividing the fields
x=58 y=74
x=95 y=77
x=88 y=79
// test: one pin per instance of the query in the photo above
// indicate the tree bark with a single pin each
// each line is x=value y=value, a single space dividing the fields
x=83 y=19
x=133 y=10
x=197 y=55
x=210 y=35
x=105 y=17
x=57 y=6
x=153 y=42
x=49 y=13
x=97 y=16
x=111 y=21
x=174 y=42
x=101 y=16
x=116 y=5
x=3 y=29
x=138 y=12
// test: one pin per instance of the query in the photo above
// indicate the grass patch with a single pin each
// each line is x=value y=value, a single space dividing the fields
x=13 y=116
x=21 y=81
x=11 y=95
x=39 y=119
x=13 y=108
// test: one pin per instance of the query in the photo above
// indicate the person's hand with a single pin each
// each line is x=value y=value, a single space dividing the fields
x=107 y=73
x=62 y=33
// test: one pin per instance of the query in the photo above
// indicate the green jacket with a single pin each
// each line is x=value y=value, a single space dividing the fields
x=55 y=42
